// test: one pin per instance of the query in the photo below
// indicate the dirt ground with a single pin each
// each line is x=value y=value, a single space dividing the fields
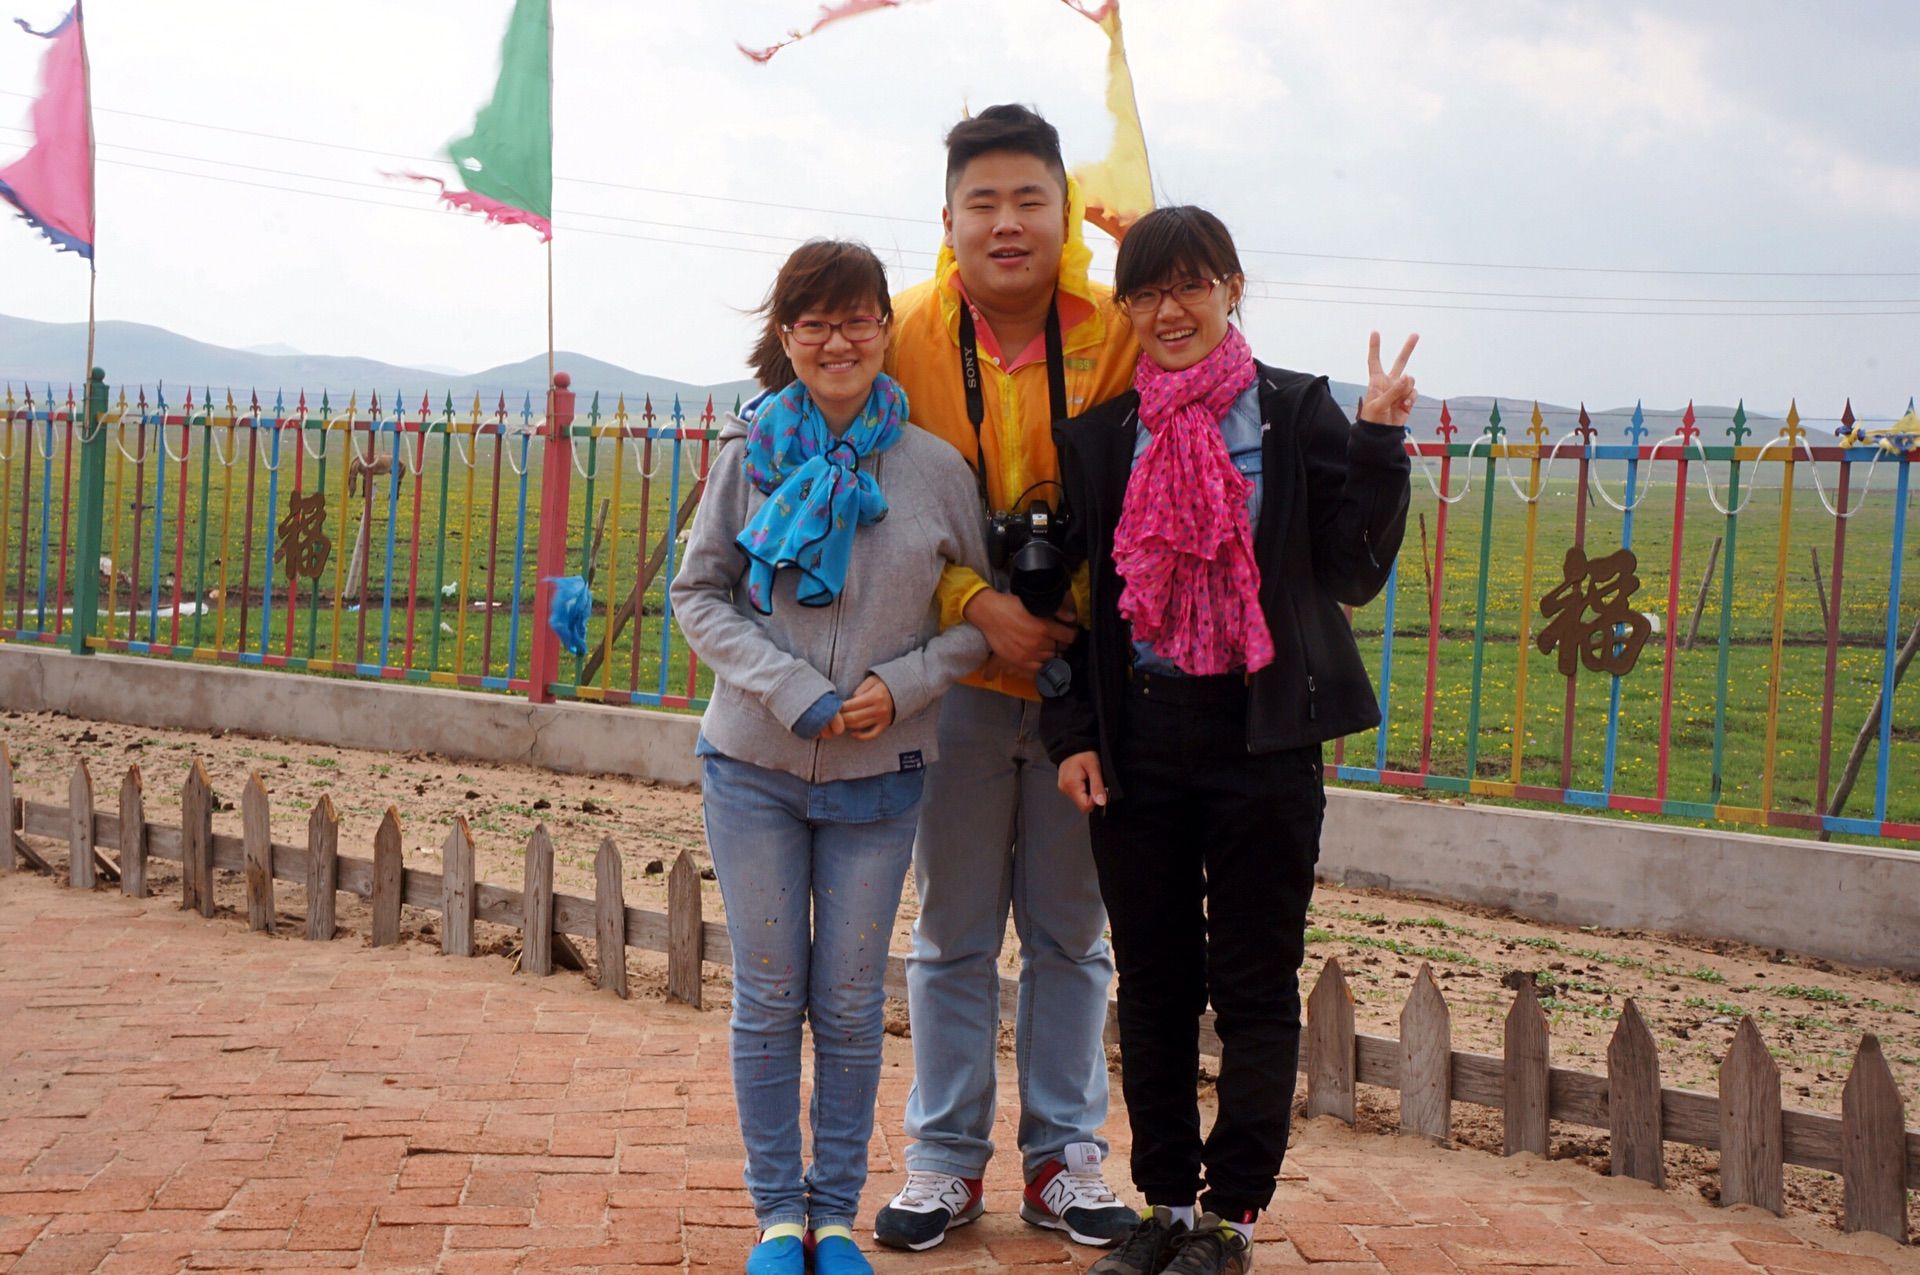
x=1692 y=991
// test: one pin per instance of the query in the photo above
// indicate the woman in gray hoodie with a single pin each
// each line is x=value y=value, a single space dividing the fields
x=808 y=589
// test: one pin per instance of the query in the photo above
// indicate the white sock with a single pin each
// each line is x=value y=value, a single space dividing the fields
x=1245 y=1229
x=1183 y=1214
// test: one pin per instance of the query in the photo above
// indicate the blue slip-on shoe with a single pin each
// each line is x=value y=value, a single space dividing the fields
x=838 y=1255
x=780 y=1252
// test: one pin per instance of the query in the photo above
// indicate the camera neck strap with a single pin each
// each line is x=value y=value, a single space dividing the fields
x=976 y=397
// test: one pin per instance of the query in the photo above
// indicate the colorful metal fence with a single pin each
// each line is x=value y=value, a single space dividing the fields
x=416 y=545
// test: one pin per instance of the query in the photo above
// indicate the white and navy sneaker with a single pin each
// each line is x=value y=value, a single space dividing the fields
x=1070 y=1195
x=928 y=1206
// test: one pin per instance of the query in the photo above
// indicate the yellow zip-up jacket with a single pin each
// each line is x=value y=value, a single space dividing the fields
x=1016 y=434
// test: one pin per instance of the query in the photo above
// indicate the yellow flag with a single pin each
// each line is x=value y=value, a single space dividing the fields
x=1119 y=188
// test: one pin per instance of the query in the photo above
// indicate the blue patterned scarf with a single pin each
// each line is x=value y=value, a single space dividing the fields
x=817 y=493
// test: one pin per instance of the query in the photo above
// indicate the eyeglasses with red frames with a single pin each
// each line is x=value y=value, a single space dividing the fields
x=1187 y=293
x=860 y=329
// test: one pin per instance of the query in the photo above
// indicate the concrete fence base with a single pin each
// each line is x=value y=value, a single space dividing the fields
x=1859 y=906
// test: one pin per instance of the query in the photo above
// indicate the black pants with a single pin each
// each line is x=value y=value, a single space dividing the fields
x=1206 y=866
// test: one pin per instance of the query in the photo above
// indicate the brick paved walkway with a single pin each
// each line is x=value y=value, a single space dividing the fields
x=177 y=1094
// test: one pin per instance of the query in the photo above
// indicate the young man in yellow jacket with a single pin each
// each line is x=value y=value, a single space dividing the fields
x=1008 y=335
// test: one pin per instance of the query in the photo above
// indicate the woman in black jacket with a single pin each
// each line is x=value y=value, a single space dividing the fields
x=1226 y=510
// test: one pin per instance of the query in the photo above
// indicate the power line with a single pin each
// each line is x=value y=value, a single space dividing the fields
x=922 y=221
x=1661 y=314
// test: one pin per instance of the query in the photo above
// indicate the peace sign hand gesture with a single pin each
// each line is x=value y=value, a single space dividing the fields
x=1390 y=393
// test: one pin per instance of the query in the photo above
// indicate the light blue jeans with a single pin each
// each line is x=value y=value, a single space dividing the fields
x=997 y=835
x=811 y=875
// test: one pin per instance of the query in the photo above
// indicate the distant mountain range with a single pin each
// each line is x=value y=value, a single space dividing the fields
x=138 y=354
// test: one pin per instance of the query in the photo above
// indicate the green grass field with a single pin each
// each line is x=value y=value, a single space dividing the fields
x=462 y=506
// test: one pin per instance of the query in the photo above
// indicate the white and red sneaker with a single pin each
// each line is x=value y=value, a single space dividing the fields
x=928 y=1206
x=1070 y=1195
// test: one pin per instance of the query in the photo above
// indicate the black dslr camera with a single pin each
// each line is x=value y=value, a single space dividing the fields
x=1027 y=547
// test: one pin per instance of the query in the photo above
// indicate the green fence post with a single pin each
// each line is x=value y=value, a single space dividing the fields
x=93 y=505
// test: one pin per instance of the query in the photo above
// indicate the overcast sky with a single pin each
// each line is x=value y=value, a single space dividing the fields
x=1753 y=143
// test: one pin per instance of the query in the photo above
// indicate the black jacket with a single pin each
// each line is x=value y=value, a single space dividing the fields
x=1333 y=509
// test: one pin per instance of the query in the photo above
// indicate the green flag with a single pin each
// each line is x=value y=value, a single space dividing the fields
x=506 y=162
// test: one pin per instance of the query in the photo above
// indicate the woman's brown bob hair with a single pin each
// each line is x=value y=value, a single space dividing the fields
x=1170 y=244
x=822 y=274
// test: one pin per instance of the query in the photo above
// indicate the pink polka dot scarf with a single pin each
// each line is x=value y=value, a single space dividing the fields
x=1184 y=546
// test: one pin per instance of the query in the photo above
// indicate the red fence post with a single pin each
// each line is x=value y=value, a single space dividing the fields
x=550 y=559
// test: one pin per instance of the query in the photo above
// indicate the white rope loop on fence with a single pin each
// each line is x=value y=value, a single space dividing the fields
x=120 y=441
x=45 y=454
x=1426 y=471
x=526 y=444
x=649 y=469
x=400 y=450
x=1599 y=488
x=1546 y=472
x=464 y=453
x=1707 y=474
x=166 y=448
x=573 y=454
x=213 y=440
x=7 y=448
x=325 y=430
x=1866 y=487
x=272 y=463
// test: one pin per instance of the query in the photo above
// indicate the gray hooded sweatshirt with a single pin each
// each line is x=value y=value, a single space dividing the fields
x=770 y=669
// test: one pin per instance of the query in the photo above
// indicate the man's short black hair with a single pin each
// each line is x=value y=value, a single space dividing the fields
x=1009 y=127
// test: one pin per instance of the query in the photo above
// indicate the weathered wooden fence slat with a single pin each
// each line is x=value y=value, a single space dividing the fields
x=1426 y=1061
x=133 y=836
x=9 y=813
x=1751 y=1171
x=387 y=882
x=1868 y=1143
x=1526 y=1071
x=457 y=892
x=322 y=869
x=1633 y=1100
x=610 y=918
x=256 y=823
x=196 y=842
x=1871 y=1155
x=80 y=873
x=1330 y=1085
x=686 y=941
x=536 y=923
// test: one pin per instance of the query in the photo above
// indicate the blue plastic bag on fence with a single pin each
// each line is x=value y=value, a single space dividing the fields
x=567 y=615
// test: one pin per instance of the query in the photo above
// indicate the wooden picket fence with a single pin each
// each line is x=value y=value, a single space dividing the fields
x=1868 y=1145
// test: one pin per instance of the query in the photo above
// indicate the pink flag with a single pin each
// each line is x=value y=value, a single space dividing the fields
x=52 y=184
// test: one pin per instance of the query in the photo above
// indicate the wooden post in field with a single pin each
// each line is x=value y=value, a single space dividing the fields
x=536 y=906
x=1873 y=1159
x=133 y=836
x=323 y=869
x=1330 y=1053
x=196 y=842
x=1527 y=1067
x=686 y=932
x=1633 y=1101
x=80 y=874
x=387 y=880
x=457 y=890
x=610 y=920
x=1426 y=1061
x=1750 y=1132
x=1706 y=583
x=256 y=829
